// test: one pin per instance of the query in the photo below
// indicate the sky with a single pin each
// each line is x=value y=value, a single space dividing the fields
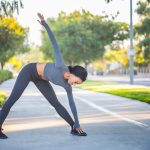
x=51 y=8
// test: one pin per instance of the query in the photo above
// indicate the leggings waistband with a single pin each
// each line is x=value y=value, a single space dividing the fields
x=33 y=71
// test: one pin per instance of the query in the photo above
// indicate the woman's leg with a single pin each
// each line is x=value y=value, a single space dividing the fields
x=48 y=92
x=21 y=83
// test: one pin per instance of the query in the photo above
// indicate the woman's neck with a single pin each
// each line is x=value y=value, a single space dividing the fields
x=66 y=75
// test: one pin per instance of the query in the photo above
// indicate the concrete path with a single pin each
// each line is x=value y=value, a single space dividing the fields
x=138 y=79
x=111 y=122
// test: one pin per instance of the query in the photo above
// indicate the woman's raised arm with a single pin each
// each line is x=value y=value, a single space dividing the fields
x=58 y=56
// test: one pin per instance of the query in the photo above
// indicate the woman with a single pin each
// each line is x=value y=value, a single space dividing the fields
x=40 y=74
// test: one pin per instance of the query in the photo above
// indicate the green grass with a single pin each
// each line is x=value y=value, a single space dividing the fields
x=5 y=75
x=130 y=91
x=95 y=83
x=2 y=98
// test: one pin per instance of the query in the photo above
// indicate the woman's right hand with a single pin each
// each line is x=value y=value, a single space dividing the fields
x=41 y=17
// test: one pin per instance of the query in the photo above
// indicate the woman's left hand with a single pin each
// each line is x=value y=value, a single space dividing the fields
x=79 y=130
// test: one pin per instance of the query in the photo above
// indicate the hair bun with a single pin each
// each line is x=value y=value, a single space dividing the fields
x=70 y=68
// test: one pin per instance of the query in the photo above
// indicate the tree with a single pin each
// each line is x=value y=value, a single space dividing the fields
x=108 y=1
x=34 y=55
x=120 y=56
x=12 y=37
x=143 y=30
x=82 y=36
x=7 y=8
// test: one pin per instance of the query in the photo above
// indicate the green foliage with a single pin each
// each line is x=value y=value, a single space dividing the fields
x=2 y=98
x=143 y=8
x=143 y=30
x=119 y=56
x=139 y=58
x=91 y=84
x=34 y=55
x=82 y=36
x=137 y=93
x=12 y=37
x=16 y=63
x=46 y=46
x=4 y=75
x=7 y=8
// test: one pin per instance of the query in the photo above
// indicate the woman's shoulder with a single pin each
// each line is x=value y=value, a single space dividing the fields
x=62 y=66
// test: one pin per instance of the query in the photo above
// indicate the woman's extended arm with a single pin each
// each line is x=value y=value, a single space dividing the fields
x=58 y=56
x=72 y=106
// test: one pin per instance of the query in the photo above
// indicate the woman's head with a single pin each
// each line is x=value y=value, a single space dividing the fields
x=78 y=74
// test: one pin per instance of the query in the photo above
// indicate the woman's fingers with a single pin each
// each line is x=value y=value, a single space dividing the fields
x=79 y=130
x=40 y=16
x=39 y=21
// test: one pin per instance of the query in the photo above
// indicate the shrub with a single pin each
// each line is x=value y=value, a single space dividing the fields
x=5 y=74
x=2 y=98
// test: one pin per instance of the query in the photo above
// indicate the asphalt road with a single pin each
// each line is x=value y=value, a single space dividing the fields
x=138 y=79
x=111 y=122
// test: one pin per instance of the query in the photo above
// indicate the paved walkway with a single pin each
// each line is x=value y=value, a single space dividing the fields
x=138 y=79
x=111 y=122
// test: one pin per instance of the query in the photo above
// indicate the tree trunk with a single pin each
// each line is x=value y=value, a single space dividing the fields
x=86 y=62
x=2 y=65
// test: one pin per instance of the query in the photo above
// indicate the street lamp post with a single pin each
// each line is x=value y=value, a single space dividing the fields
x=131 y=51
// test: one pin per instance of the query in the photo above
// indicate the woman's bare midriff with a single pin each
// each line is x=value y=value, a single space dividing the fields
x=40 y=69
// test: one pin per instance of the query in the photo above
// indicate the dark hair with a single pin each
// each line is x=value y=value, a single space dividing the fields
x=78 y=71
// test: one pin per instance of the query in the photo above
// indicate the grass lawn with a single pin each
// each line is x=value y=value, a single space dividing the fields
x=2 y=98
x=141 y=93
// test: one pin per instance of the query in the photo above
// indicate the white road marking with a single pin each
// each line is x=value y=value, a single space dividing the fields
x=137 y=123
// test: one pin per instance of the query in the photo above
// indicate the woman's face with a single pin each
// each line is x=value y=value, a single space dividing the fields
x=74 y=80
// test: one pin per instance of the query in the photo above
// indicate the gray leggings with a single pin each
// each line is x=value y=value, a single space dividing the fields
x=29 y=73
